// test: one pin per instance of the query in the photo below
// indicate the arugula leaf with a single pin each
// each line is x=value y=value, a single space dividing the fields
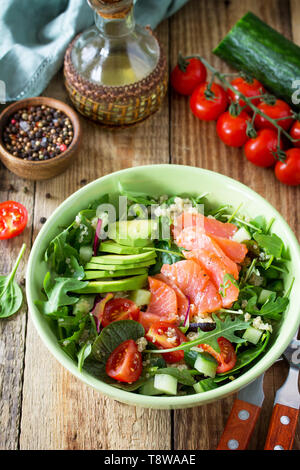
x=11 y=295
x=57 y=293
x=84 y=352
x=139 y=198
x=271 y=244
x=228 y=280
x=226 y=329
x=183 y=376
x=114 y=334
x=273 y=307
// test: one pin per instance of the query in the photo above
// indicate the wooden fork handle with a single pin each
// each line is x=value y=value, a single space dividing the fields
x=239 y=426
x=282 y=428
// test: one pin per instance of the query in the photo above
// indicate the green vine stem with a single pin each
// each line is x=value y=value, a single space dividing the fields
x=13 y=272
x=248 y=101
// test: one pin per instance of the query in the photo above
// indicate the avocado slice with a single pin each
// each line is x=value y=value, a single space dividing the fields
x=135 y=233
x=124 y=259
x=118 y=273
x=128 y=283
x=110 y=246
x=115 y=267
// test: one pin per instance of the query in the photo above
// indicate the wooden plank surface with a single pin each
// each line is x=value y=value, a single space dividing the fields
x=42 y=406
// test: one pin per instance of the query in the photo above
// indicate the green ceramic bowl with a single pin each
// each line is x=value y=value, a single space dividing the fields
x=157 y=180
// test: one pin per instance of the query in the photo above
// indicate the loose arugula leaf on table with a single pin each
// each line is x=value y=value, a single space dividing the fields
x=11 y=296
x=57 y=293
x=226 y=329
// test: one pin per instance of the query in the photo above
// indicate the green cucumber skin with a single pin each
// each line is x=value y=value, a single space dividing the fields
x=254 y=47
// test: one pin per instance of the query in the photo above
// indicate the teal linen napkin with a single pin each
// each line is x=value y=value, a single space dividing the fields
x=34 y=35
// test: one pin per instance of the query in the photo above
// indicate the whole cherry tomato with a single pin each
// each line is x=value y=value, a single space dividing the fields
x=295 y=133
x=232 y=129
x=288 y=172
x=249 y=88
x=185 y=79
x=275 y=110
x=125 y=362
x=259 y=150
x=207 y=104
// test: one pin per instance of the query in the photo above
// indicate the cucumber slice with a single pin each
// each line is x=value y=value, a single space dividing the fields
x=140 y=297
x=148 y=388
x=84 y=305
x=166 y=384
x=241 y=235
x=85 y=253
x=263 y=296
x=252 y=335
x=204 y=385
x=206 y=364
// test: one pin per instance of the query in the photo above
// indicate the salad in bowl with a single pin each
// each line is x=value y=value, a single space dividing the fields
x=165 y=295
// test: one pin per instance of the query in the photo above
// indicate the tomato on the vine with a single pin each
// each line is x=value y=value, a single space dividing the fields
x=288 y=172
x=260 y=149
x=276 y=109
x=13 y=219
x=295 y=133
x=232 y=129
x=125 y=362
x=208 y=103
x=119 y=309
x=249 y=88
x=226 y=358
x=164 y=335
x=184 y=78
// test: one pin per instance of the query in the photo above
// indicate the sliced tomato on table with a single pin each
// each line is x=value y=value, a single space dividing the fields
x=119 y=309
x=125 y=362
x=226 y=358
x=13 y=219
x=165 y=335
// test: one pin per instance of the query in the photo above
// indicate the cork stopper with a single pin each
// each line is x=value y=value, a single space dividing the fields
x=111 y=9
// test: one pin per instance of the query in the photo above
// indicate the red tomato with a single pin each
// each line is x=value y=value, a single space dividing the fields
x=295 y=133
x=119 y=309
x=248 y=89
x=279 y=109
x=165 y=335
x=258 y=150
x=288 y=172
x=185 y=82
x=208 y=108
x=13 y=219
x=226 y=358
x=125 y=362
x=147 y=319
x=232 y=129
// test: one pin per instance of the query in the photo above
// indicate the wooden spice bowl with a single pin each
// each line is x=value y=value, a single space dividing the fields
x=44 y=169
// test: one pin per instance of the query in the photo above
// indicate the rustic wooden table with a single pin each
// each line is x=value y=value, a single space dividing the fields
x=42 y=405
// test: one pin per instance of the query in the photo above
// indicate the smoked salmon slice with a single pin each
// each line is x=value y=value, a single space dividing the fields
x=234 y=250
x=192 y=239
x=182 y=301
x=163 y=301
x=207 y=224
x=195 y=283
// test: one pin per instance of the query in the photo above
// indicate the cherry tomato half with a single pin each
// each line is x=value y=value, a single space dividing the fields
x=13 y=219
x=259 y=150
x=147 y=319
x=164 y=335
x=125 y=362
x=185 y=82
x=232 y=129
x=248 y=88
x=208 y=108
x=226 y=358
x=288 y=172
x=280 y=109
x=119 y=309
x=295 y=133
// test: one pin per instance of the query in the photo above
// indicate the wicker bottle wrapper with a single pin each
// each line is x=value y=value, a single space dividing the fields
x=116 y=106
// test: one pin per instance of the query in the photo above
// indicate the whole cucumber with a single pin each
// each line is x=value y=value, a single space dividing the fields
x=254 y=47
